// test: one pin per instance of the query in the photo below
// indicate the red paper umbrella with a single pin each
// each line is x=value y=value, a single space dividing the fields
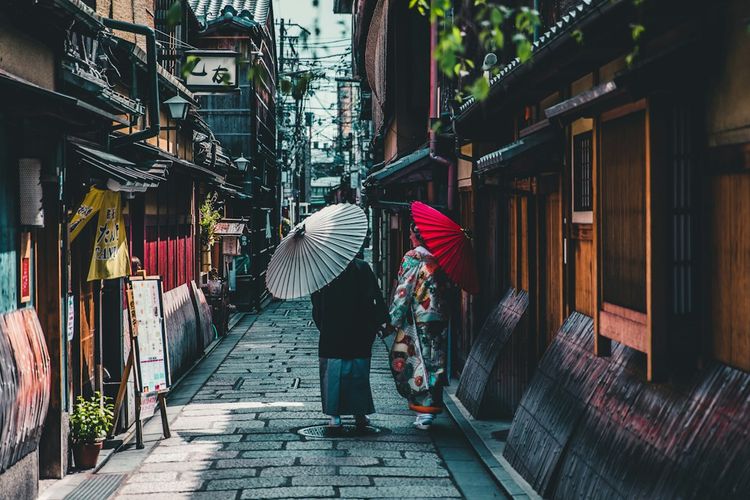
x=449 y=243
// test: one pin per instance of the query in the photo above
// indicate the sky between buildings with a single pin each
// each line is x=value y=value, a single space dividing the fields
x=327 y=49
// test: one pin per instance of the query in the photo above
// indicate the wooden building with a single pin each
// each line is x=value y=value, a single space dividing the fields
x=244 y=121
x=412 y=162
x=607 y=189
x=91 y=113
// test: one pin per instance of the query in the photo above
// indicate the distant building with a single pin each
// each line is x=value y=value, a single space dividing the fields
x=319 y=188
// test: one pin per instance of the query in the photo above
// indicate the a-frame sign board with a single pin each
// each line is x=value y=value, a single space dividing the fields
x=149 y=354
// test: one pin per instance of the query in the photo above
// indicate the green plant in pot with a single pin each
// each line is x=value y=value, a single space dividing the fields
x=90 y=423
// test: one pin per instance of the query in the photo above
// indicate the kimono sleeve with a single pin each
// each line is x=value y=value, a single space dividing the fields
x=403 y=296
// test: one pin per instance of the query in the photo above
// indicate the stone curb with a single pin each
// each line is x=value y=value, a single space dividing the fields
x=505 y=476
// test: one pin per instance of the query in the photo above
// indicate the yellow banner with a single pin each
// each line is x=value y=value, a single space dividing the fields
x=110 y=259
x=90 y=205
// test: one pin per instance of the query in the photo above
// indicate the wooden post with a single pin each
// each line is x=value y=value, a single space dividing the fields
x=138 y=423
x=121 y=391
x=163 y=412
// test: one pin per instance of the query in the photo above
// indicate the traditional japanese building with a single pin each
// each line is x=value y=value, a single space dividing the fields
x=602 y=179
x=605 y=174
x=400 y=88
x=243 y=118
x=90 y=132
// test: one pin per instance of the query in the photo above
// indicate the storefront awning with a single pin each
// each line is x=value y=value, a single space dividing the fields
x=400 y=168
x=123 y=175
x=584 y=104
x=233 y=191
x=505 y=155
x=152 y=152
x=32 y=100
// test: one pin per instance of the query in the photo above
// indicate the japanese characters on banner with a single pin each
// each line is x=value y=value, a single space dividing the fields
x=110 y=257
x=89 y=207
x=147 y=323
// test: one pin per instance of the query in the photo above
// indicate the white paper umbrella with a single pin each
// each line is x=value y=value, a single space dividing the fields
x=316 y=251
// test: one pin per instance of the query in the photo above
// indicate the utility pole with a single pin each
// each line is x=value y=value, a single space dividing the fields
x=281 y=168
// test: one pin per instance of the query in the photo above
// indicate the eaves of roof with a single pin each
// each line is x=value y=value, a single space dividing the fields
x=509 y=152
x=400 y=166
x=208 y=10
x=583 y=13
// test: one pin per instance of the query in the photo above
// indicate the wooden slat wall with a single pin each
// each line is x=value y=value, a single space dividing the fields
x=623 y=211
x=555 y=399
x=86 y=318
x=463 y=342
x=524 y=230
x=513 y=236
x=168 y=233
x=553 y=276
x=581 y=258
x=728 y=268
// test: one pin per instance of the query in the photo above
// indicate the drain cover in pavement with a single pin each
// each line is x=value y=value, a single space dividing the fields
x=97 y=487
x=343 y=432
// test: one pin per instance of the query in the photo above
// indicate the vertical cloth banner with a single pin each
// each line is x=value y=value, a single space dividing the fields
x=89 y=207
x=110 y=258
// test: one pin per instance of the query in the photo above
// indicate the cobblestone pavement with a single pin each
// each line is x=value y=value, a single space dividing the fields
x=237 y=438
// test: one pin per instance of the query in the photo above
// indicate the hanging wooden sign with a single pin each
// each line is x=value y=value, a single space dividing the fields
x=25 y=263
x=149 y=355
x=149 y=335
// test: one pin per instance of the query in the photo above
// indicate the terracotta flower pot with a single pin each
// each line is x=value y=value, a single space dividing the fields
x=86 y=454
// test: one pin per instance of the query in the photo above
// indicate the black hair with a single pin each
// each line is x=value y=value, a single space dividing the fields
x=416 y=232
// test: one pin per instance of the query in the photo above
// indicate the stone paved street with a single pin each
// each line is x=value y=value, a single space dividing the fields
x=237 y=437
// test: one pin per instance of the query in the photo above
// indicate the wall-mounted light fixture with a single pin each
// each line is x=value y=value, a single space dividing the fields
x=178 y=107
x=242 y=163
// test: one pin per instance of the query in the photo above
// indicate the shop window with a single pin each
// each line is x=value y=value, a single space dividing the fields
x=623 y=212
x=582 y=164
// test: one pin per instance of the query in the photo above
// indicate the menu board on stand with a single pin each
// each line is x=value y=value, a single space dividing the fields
x=149 y=355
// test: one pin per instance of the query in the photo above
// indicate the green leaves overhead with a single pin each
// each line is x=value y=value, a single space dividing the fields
x=190 y=63
x=480 y=89
x=298 y=85
x=577 y=36
x=174 y=14
x=493 y=21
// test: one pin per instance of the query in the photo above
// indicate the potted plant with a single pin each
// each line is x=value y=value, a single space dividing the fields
x=210 y=215
x=90 y=423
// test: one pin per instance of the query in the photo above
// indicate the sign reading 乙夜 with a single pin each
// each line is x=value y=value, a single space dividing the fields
x=211 y=70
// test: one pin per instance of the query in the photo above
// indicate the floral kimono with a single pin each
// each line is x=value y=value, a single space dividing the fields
x=419 y=313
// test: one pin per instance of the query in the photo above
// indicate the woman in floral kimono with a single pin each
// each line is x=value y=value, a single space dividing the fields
x=419 y=315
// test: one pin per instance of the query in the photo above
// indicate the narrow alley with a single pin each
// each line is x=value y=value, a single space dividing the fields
x=237 y=437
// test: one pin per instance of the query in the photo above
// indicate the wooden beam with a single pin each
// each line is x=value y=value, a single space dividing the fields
x=53 y=445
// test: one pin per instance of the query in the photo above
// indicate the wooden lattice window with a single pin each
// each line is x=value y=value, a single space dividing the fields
x=623 y=212
x=582 y=185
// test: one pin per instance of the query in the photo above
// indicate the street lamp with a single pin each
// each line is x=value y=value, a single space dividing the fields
x=242 y=163
x=178 y=107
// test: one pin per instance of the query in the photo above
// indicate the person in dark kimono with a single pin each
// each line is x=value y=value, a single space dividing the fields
x=348 y=313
